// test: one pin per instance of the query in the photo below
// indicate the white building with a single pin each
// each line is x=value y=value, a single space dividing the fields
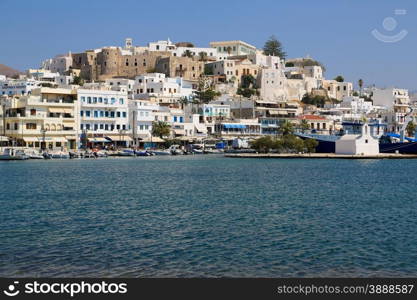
x=338 y=90
x=161 y=88
x=12 y=87
x=103 y=117
x=397 y=103
x=59 y=64
x=354 y=144
x=141 y=116
x=273 y=84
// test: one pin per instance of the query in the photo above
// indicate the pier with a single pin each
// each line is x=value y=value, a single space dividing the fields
x=322 y=155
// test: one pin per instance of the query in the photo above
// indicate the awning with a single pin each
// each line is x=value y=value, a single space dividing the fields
x=179 y=131
x=31 y=139
x=4 y=138
x=119 y=138
x=154 y=139
x=57 y=110
x=238 y=126
x=98 y=140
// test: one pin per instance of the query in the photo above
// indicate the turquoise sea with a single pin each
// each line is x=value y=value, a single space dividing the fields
x=208 y=216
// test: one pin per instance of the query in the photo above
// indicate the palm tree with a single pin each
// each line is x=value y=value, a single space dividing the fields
x=187 y=53
x=360 y=83
x=411 y=128
x=287 y=128
x=161 y=129
x=304 y=125
x=203 y=56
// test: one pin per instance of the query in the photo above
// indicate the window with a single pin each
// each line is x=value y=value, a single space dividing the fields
x=118 y=114
x=83 y=99
x=88 y=99
x=95 y=114
x=33 y=112
x=112 y=114
x=101 y=126
x=81 y=113
x=121 y=101
x=87 y=113
x=117 y=126
x=100 y=100
x=95 y=126
x=106 y=127
x=31 y=126
x=124 y=127
x=124 y=114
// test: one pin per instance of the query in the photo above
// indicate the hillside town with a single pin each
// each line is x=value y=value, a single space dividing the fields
x=140 y=97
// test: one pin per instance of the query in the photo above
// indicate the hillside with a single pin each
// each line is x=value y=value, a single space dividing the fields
x=5 y=70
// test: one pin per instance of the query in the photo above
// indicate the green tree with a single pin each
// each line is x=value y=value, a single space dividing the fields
x=310 y=145
x=202 y=56
x=263 y=144
x=274 y=47
x=208 y=69
x=246 y=92
x=411 y=128
x=248 y=81
x=360 y=83
x=286 y=128
x=339 y=78
x=304 y=126
x=187 y=53
x=316 y=100
x=161 y=129
x=206 y=95
x=77 y=80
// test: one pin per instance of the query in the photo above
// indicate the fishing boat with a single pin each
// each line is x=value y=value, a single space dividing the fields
x=388 y=142
x=12 y=154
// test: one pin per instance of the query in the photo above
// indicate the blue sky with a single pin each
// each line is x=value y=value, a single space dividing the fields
x=337 y=33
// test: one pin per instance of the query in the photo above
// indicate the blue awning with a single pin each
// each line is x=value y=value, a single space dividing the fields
x=238 y=126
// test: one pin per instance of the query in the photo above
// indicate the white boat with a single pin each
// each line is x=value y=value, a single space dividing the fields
x=12 y=154
x=60 y=155
x=175 y=150
x=35 y=155
x=161 y=152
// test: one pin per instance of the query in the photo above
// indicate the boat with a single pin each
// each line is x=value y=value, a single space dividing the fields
x=60 y=155
x=35 y=155
x=388 y=142
x=126 y=152
x=143 y=153
x=12 y=154
x=175 y=150
x=161 y=152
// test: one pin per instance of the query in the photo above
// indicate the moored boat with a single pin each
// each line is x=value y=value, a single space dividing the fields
x=12 y=154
